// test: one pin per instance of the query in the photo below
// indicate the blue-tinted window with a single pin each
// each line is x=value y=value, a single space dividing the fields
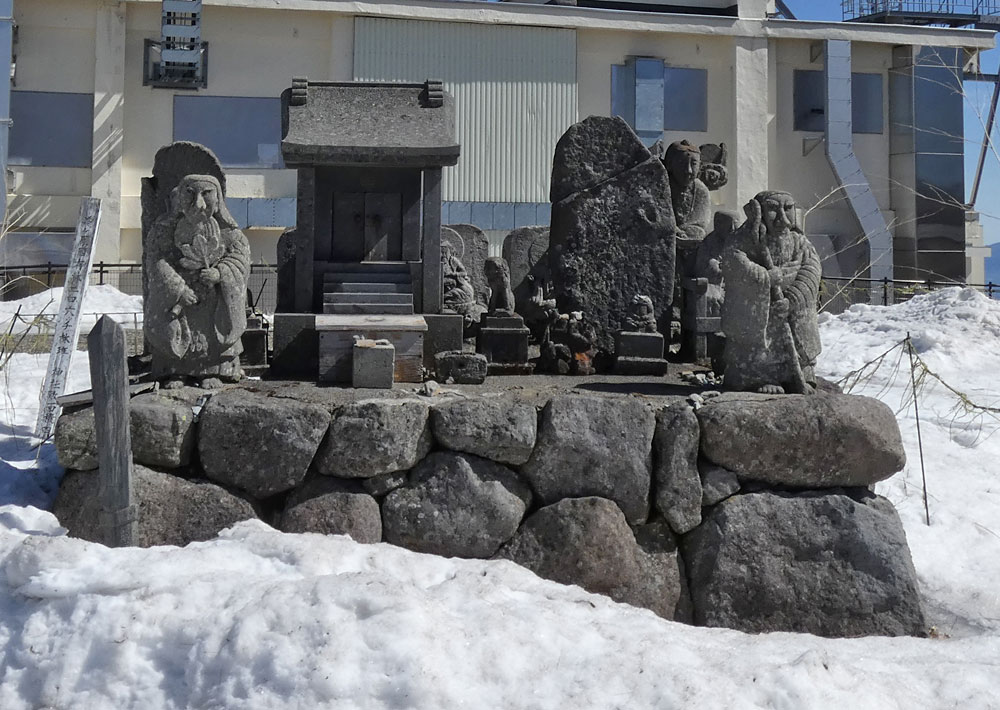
x=243 y=132
x=51 y=129
x=810 y=101
x=685 y=103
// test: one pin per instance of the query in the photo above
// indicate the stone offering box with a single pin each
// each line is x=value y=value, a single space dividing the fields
x=751 y=512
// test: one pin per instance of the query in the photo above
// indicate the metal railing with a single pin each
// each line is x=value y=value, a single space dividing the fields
x=839 y=293
x=23 y=281
x=853 y=9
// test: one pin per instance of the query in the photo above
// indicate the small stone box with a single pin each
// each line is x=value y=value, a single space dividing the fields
x=336 y=344
x=639 y=353
x=373 y=365
x=504 y=342
x=460 y=367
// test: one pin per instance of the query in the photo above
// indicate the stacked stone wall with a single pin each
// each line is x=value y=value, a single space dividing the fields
x=750 y=511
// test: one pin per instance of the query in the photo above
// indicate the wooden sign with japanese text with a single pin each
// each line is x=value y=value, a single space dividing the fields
x=67 y=328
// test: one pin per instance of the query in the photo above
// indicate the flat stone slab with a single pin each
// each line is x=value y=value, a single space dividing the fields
x=827 y=564
x=802 y=441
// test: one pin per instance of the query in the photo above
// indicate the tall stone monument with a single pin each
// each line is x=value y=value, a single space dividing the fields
x=613 y=229
x=195 y=264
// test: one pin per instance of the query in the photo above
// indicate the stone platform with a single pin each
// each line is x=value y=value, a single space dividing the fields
x=751 y=512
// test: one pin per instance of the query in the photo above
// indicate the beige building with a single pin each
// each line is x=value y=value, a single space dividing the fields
x=857 y=121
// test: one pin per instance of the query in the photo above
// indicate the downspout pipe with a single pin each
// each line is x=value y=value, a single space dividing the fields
x=6 y=66
x=844 y=162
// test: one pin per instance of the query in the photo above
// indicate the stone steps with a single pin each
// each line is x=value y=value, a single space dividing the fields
x=368 y=308
x=399 y=298
x=358 y=287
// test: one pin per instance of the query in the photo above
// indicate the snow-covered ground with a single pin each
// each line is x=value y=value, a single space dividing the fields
x=43 y=307
x=260 y=619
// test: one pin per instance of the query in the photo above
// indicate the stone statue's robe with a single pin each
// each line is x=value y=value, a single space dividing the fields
x=757 y=350
x=200 y=340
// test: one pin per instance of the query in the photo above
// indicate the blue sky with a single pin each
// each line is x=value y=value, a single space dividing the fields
x=978 y=98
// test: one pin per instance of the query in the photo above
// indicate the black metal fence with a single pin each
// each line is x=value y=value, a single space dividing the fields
x=838 y=294
x=853 y=9
x=23 y=281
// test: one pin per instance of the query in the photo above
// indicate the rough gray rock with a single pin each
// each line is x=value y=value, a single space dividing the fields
x=678 y=485
x=461 y=368
x=172 y=510
x=804 y=441
x=333 y=507
x=611 y=242
x=161 y=425
x=163 y=431
x=591 y=152
x=376 y=436
x=661 y=586
x=76 y=440
x=262 y=445
x=456 y=505
x=383 y=483
x=594 y=446
x=717 y=483
x=498 y=428
x=824 y=564
x=586 y=541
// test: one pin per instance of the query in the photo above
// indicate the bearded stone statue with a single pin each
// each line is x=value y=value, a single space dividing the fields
x=772 y=275
x=197 y=261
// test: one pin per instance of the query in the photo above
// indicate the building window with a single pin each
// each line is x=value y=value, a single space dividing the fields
x=653 y=97
x=810 y=101
x=51 y=129
x=243 y=132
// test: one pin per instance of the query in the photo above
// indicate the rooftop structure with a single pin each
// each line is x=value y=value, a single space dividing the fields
x=947 y=13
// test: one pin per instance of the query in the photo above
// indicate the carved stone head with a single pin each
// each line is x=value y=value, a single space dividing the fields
x=683 y=162
x=198 y=197
x=497 y=272
x=777 y=211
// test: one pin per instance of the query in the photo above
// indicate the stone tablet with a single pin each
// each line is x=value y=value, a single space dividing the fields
x=473 y=249
x=609 y=243
x=526 y=251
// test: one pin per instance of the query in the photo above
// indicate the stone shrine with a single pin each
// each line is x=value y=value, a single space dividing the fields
x=365 y=254
x=195 y=267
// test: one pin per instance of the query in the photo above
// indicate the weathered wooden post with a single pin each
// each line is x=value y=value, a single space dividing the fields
x=109 y=381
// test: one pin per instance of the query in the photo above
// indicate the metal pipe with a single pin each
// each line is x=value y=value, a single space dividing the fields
x=6 y=65
x=986 y=141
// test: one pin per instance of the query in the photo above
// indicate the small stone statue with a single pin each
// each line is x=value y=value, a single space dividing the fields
x=498 y=278
x=197 y=261
x=641 y=317
x=458 y=293
x=772 y=276
x=714 y=173
x=689 y=195
x=539 y=312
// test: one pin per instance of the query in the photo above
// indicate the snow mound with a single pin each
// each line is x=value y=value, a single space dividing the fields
x=258 y=619
x=97 y=301
x=956 y=335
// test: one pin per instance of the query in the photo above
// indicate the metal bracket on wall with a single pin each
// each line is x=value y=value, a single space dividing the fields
x=809 y=144
x=816 y=52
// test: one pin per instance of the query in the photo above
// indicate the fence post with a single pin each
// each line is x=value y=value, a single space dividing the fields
x=100 y=273
x=109 y=380
x=885 y=290
x=48 y=274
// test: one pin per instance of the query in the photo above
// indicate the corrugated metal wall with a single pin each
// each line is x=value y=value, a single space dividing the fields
x=514 y=89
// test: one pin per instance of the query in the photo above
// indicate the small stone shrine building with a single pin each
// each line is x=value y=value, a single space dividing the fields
x=365 y=255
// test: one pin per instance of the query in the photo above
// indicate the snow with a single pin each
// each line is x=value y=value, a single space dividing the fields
x=260 y=619
x=97 y=300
